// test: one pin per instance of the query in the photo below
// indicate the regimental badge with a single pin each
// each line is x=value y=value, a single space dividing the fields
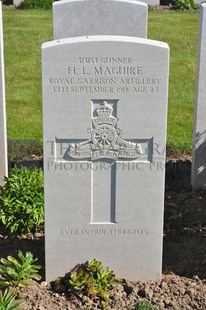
x=106 y=139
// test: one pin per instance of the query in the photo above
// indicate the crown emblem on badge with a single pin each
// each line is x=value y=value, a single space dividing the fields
x=104 y=115
x=104 y=109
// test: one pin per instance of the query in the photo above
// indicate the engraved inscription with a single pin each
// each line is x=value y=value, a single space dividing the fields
x=105 y=75
x=106 y=139
x=104 y=232
x=105 y=60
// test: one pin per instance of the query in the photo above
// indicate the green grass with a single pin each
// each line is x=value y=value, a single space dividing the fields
x=180 y=31
x=24 y=33
x=26 y=30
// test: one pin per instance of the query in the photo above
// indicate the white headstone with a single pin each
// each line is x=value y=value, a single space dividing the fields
x=99 y=17
x=17 y=2
x=3 y=135
x=104 y=114
x=198 y=178
x=198 y=1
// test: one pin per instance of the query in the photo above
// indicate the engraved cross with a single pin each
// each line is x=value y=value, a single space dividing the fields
x=106 y=146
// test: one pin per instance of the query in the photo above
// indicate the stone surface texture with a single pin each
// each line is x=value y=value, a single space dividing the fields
x=104 y=106
x=198 y=178
x=3 y=135
x=99 y=17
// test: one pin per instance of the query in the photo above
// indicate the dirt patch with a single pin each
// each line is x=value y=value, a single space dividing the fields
x=172 y=292
x=183 y=285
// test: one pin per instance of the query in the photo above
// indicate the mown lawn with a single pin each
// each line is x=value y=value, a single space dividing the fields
x=26 y=30
x=24 y=33
x=180 y=31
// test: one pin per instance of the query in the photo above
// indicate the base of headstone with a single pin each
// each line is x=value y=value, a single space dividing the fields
x=17 y=2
